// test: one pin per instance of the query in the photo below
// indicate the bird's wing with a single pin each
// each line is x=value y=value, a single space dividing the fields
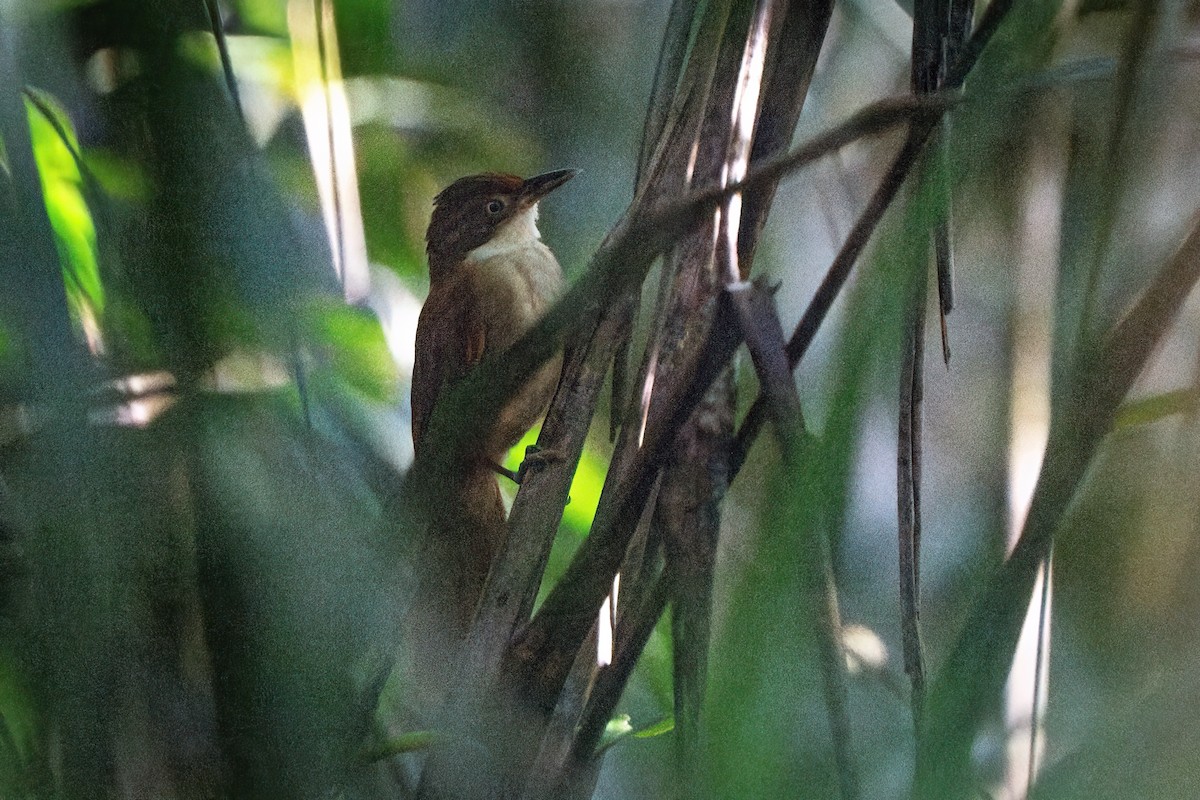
x=451 y=338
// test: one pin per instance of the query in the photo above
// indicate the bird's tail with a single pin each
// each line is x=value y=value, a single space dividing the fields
x=467 y=530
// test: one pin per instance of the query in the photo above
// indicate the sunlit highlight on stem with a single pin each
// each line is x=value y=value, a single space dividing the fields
x=1025 y=691
x=745 y=114
x=322 y=97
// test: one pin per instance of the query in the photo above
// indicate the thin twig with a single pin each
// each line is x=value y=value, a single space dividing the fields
x=666 y=79
x=693 y=476
x=940 y=30
x=835 y=279
x=548 y=779
x=661 y=170
x=511 y=588
x=1040 y=667
x=686 y=164
x=908 y=501
x=759 y=322
x=544 y=647
x=658 y=110
x=213 y=7
x=634 y=632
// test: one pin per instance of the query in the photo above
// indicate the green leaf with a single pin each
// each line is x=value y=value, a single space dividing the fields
x=413 y=742
x=620 y=728
x=55 y=149
x=1156 y=407
x=264 y=16
x=19 y=741
x=617 y=729
x=664 y=725
x=356 y=349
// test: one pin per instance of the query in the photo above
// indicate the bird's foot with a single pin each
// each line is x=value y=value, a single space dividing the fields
x=536 y=457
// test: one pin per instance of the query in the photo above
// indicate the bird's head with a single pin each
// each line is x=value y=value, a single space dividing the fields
x=474 y=210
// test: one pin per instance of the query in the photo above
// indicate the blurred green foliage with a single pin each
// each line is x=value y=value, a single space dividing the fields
x=56 y=150
x=199 y=599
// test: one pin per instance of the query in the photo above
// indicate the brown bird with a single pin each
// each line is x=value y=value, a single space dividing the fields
x=490 y=279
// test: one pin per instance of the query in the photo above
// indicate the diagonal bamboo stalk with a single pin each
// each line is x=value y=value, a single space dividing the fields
x=621 y=261
x=982 y=653
x=839 y=271
x=552 y=638
x=593 y=567
x=763 y=332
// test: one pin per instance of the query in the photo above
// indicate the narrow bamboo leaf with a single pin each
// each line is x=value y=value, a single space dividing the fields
x=1156 y=407
x=34 y=302
x=620 y=728
x=399 y=745
x=67 y=209
x=665 y=725
x=617 y=729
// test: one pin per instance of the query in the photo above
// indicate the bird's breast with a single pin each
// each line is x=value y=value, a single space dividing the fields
x=515 y=288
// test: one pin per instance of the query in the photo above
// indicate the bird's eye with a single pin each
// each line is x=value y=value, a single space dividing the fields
x=495 y=207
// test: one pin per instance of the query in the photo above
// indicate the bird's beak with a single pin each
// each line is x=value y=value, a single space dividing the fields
x=537 y=187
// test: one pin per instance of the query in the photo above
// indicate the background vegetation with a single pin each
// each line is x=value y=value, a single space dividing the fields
x=211 y=261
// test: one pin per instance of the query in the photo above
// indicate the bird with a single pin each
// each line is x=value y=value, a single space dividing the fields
x=491 y=278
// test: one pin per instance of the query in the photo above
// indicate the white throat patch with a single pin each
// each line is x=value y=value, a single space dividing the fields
x=516 y=234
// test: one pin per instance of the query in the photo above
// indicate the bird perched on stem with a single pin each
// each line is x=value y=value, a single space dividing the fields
x=490 y=279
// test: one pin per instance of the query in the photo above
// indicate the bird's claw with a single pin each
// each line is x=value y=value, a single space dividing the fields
x=535 y=457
